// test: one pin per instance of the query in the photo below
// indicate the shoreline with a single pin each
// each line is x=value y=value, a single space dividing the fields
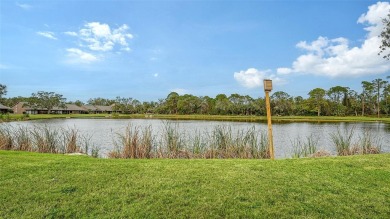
x=275 y=119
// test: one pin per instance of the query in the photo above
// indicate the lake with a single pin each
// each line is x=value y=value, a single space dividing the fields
x=104 y=132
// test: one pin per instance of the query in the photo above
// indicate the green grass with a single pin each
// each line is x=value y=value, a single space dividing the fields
x=36 y=185
x=13 y=117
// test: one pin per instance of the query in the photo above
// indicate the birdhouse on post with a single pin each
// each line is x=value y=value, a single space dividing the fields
x=267 y=89
x=267 y=85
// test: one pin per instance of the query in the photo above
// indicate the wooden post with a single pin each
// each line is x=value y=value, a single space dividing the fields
x=267 y=89
x=270 y=137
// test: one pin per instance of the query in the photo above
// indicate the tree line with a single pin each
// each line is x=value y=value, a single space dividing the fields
x=336 y=101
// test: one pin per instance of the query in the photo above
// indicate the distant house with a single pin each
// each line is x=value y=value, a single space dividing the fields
x=24 y=108
x=69 y=109
x=4 y=109
x=91 y=109
x=96 y=109
x=106 y=109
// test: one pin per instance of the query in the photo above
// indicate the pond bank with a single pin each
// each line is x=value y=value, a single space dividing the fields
x=262 y=119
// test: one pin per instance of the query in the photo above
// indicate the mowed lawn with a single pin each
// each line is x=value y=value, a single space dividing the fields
x=61 y=186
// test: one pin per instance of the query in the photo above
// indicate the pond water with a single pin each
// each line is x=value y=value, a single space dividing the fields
x=103 y=132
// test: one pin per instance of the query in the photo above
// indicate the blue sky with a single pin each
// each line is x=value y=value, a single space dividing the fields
x=147 y=49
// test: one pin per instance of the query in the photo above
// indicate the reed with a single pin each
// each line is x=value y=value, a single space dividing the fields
x=369 y=144
x=6 y=139
x=46 y=139
x=343 y=142
x=221 y=143
x=305 y=148
x=198 y=145
x=22 y=139
x=173 y=141
x=42 y=139
x=247 y=143
x=133 y=143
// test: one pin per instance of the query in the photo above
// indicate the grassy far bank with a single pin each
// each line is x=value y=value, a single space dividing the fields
x=13 y=117
x=45 y=185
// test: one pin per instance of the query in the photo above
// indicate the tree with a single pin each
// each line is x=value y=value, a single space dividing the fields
x=188 y=104
x=338 y=96
x=378 y=84
x=207 y=105
x=171 y=102
x=3 y=90
x=367 y=94
x=385 y=38
x=317 y=97
x=100 y=101
x=386 y=96
x=353 y=103
x=222 y=104
x=282 y=103
x=77 y=102
x=299 y=107
x=46 y=100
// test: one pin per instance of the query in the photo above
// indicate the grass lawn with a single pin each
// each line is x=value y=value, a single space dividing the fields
x=55 y=186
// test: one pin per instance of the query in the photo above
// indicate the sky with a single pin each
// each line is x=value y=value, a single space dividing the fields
x=146 y=49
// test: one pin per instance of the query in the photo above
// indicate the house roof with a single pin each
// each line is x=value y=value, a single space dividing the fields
x=73 y=107
x=4 y=107
x=104 y=108
x=90 y=107
x=70 y=107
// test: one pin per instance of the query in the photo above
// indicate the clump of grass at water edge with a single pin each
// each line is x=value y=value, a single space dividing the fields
x=221 y=142
x=44 y=139
x=343 y=142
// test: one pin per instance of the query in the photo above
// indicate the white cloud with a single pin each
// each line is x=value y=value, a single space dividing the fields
x=79 y=56
x=334 y=57
x=100 y=37
x=253 y=78
x=95 y=39
x=373 y=18
x=284 y=71
x=155 y=75
x=70 y=33
x=24 y=6
x=47 y=34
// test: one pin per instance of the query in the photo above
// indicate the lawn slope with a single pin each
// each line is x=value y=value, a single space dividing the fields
x=55 y=186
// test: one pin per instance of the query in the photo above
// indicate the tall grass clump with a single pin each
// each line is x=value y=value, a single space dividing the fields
x=198 y=145
x=70 y=136
x=368 y=144
x=173 y=142
x=42 y=139
x=305 y=148
x=257 y=142
x=343 y=142
x=22 y=139
x=46 y=139
x=133 y=143
x=243 y=144
x=6 y=139
x=221 y=142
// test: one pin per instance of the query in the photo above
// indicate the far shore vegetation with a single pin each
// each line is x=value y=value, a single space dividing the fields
x=337 y=101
